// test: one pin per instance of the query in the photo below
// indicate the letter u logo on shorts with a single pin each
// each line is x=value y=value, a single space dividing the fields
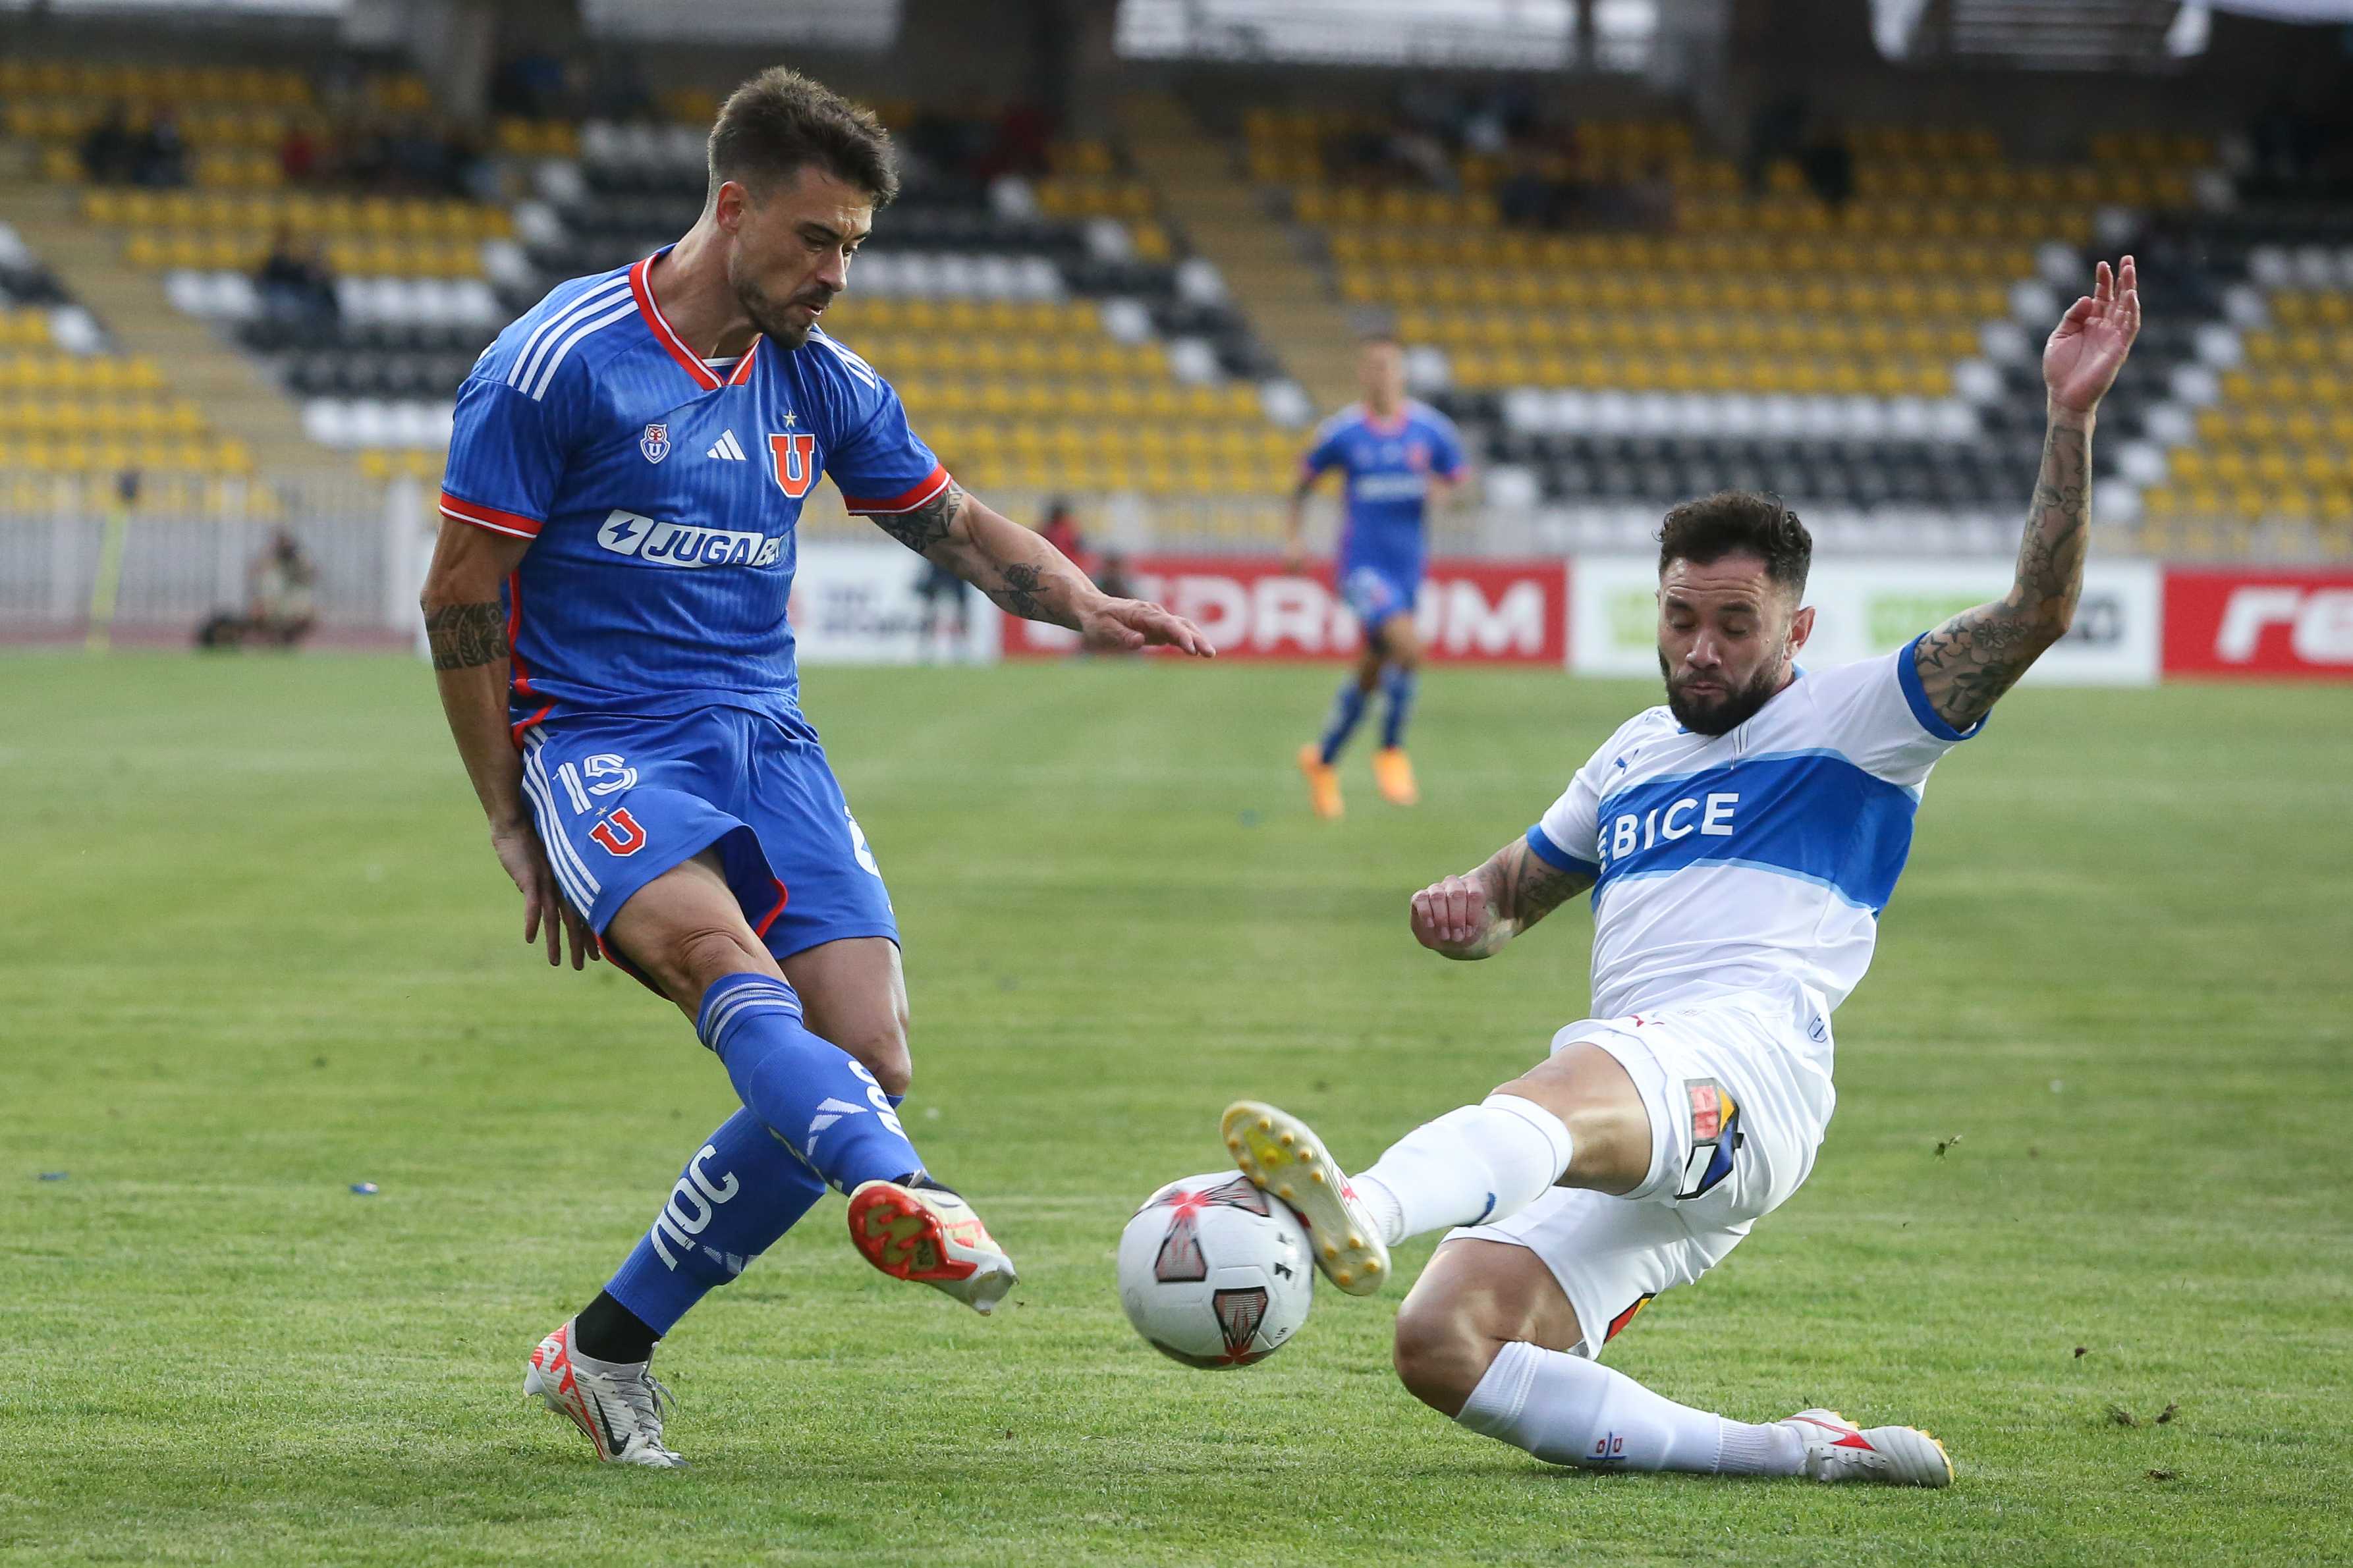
x=796 y=461
x=619 y=832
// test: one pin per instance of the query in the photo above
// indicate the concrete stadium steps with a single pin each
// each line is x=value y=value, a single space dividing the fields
x=233 y=388
x=1287 y=297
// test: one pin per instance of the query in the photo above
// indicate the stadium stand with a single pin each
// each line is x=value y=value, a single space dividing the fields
x=2245 y=446
x=1045 y=326
x=1617 y=315
x=1045 y=334
x=75 y=409
x=1621 y=318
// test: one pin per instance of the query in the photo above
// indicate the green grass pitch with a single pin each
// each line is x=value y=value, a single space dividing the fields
x=2090 y=1156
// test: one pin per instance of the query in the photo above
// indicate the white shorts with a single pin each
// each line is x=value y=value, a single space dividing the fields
x=1738 y=1104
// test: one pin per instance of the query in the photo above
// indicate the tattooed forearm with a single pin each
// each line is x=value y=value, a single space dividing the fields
x=464 y=636
x=1023 y=593
x=1969 y=662
x=928 y=526
x=1527 y=889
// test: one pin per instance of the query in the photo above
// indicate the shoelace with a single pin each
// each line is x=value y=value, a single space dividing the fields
x=649 y=1400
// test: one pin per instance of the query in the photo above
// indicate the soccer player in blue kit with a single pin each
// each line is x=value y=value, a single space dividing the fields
x=606 y=612
x=1394 y=452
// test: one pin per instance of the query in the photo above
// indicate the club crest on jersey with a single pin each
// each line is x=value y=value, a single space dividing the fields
x=655 y=443
x=795 y=461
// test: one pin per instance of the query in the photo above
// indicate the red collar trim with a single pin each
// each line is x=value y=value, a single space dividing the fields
x=743 y=366
x=704 y=377
x=1394 y=427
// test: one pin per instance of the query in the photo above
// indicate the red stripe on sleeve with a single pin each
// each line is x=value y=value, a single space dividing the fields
x=926 y=489
x=511 y=523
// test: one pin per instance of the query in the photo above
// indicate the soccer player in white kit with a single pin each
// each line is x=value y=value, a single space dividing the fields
x=1740 y=842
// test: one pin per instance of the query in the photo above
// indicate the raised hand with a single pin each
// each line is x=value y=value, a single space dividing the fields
x=2089 y=345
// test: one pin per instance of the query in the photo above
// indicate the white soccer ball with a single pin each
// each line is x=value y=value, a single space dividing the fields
x=1214 y=1273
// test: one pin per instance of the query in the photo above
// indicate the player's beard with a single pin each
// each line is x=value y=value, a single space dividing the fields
x=1720 y=715
x=768 y=315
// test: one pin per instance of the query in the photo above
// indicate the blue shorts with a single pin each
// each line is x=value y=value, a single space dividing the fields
x=620 y=800
x=1376 y=592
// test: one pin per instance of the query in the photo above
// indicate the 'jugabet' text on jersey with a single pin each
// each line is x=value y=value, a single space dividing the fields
x=1753 y=863
x=660 y=493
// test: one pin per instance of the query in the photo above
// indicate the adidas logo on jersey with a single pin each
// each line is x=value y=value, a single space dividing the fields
x=727 y=448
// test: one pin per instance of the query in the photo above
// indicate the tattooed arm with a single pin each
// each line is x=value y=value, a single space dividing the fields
x=467 y=630
x=1474 y=915
x=1969 y=662
x=1026 y=576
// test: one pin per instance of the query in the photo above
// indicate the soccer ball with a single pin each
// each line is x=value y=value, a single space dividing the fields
x=1214 y=1273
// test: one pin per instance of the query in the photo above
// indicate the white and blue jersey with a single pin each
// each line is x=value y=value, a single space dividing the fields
x=1389 y=464
x=659 y=492
x=653 y=687
x=1754 y=864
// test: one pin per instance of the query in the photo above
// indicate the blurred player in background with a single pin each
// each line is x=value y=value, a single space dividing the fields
x=1396 y=452
x=607 y=609
x=1741 y=842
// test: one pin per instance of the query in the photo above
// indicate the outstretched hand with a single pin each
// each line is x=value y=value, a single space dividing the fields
x=1125 y=626
x=2089 y=345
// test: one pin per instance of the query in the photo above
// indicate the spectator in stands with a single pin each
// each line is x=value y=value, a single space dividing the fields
x=1111 y=575
x=528 y=86
x=160 y=155
x=1776 y=130
x=109 y=149
x=1061 y=529
x=473 y=173
x=420 y=159
x=1828 y=164
x=616 y=86
x=296 y=284
x=1025 y=136
x=299 y=156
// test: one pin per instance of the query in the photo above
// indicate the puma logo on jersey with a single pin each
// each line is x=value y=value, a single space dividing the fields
x=683 y=545
x=727 y=449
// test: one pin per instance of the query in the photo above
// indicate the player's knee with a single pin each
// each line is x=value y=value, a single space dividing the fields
x=697 y=957
x=1440 y=1353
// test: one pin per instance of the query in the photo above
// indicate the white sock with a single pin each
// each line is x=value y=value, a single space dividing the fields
x=1484 y=1162
x=1567 y=1410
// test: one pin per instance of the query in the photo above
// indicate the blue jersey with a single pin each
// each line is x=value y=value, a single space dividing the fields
x=1389 y=464
x=659 y=492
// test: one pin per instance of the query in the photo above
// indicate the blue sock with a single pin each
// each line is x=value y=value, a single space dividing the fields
x=741 y=1191
x=1347 y=709
x=826 y=1107
x=1398 y=684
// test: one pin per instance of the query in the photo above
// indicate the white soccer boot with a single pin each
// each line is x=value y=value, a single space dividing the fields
x=1838 y=1450
x=1281 y=1156
x=920 y=1230
x=618 y=1407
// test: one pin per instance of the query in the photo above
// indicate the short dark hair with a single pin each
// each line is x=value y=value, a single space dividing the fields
x=1713 y=527
x=780 y=121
